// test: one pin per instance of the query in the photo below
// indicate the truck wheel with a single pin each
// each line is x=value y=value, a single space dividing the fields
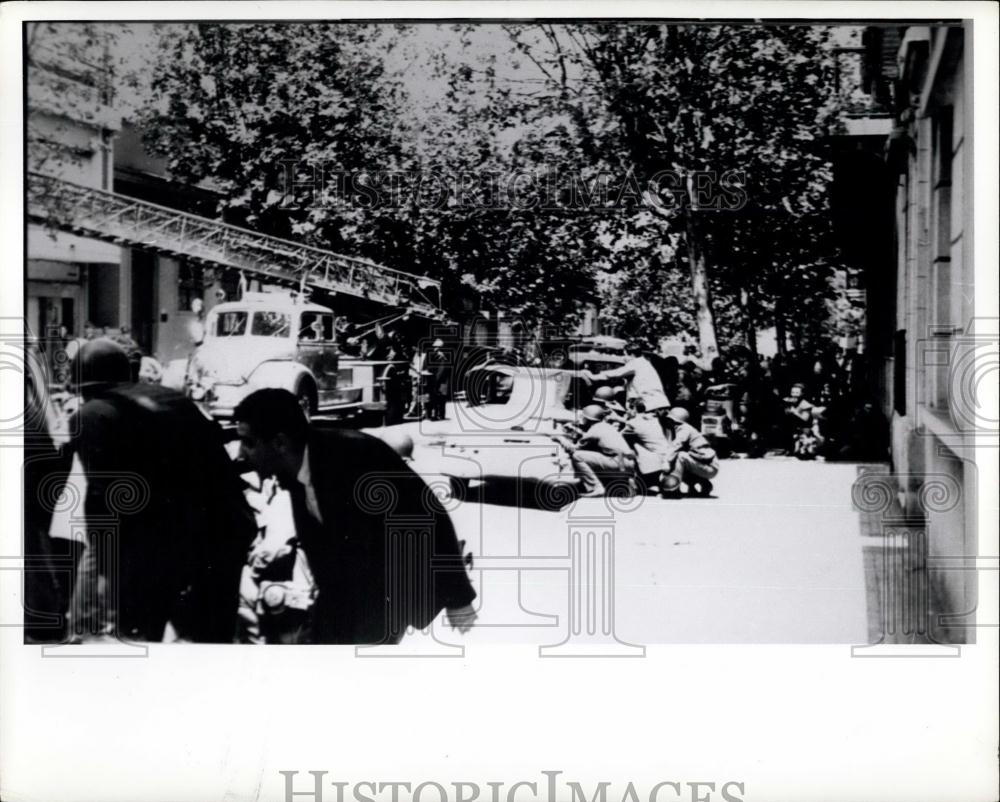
x=306 y=395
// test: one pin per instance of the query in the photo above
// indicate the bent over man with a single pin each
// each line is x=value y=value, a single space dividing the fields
x=381 y=548
x=644 y=385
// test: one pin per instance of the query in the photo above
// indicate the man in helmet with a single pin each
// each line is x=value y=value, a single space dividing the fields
x=690 y=459
x=598 y=451
x=168 y=526
x=605 y=397
x=439 y=382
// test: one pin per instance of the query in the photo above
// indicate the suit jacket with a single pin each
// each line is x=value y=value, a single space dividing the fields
x=385 y=555
x=177 y=525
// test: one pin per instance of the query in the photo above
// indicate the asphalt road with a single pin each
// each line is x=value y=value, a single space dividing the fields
x=774 y=556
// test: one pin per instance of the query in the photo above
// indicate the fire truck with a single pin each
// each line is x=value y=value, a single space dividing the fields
x=287 y=336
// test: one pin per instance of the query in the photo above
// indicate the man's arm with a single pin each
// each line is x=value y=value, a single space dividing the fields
x=95 y=441
x=803 y=411
x=624 y=372
x=681 y=441
x=587 y=439
x=449 y=580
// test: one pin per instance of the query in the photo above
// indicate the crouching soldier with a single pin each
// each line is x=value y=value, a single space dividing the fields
x=599 y=452
x=644 y=432
x=690 y=460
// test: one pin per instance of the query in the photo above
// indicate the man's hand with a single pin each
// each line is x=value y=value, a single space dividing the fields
x=564 y=441
x=461 y=618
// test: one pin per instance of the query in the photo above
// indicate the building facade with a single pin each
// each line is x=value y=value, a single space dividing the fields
x=76 y=133
x=71 y=127
x=923 y=334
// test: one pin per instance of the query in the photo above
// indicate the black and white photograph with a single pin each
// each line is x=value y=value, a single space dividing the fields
x=343 y=346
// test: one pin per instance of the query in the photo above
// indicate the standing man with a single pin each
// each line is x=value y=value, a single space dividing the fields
x=347 y=489
x=690 y=458
x=168 y=526
x=46 y=590
x=196 y=326
x=644 y=383
x=393 y=382
x=439 y=365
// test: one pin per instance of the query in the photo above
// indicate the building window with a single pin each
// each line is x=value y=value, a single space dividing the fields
x=316 y=327
x=940 y=302
x=899 y=372
x=190 y=285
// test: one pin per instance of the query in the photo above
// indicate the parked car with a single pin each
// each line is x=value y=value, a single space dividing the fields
x=586 y=353
x=717 y=419
x=504 y=431
x=270 y=340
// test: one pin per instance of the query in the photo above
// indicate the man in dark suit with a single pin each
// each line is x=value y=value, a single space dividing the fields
x=381 y=548
x=168 y=525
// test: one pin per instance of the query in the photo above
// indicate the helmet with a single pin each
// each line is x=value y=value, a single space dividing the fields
x=605 y=397
x=604 y=394
x=679 y=414
x=594 y=412
x=400 y=442
x=99 y=363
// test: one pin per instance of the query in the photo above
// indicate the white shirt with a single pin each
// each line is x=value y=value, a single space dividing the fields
x=644 y=382
x=305 y=479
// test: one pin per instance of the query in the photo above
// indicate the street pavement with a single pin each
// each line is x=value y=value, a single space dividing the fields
x=774 y=556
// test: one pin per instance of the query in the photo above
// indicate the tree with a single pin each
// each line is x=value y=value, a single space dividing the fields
x=654 y=109
x=267 y=113
x=501 y=234
x=747 y=101
x=273 y=114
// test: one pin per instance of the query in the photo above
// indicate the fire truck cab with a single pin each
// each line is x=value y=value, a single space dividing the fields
x=270 y=339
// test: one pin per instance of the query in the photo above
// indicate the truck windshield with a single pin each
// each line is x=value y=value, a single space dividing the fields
x=231 y=324
x=270 y=324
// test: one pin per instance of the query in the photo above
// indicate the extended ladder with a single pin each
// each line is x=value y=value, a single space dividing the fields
x=126 y=221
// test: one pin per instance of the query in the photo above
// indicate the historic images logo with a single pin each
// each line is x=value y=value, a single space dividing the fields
x=547 y=188
x=548 y=789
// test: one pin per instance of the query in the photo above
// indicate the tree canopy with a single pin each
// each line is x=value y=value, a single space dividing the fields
x=674 y=174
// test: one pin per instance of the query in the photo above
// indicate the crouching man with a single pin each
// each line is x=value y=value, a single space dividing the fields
x=599 y=452
x=690 y=459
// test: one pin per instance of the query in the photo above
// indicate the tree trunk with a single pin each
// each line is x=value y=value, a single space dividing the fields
x=749 y=329
x=779 y=328
x=702 y=294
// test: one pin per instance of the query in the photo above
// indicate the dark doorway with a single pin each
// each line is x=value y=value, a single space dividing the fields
x=143 y=289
